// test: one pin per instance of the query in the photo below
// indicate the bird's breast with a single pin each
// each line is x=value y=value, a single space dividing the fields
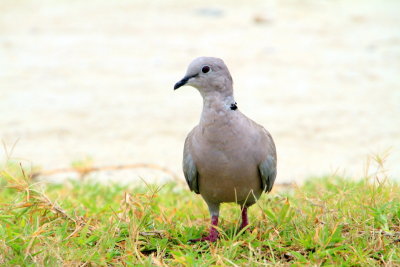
x=226 y=165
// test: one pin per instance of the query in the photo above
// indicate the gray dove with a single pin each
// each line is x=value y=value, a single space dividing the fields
x=227 y=157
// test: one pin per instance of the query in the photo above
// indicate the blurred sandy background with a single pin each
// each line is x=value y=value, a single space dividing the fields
x=95 y=78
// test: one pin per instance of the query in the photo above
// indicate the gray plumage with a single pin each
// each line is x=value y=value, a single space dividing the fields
x=227 y=157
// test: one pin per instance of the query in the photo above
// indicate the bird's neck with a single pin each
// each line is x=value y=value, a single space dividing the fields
x=217 y=106
x=218 y=102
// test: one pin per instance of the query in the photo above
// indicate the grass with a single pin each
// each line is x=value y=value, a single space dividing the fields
x=326 y=221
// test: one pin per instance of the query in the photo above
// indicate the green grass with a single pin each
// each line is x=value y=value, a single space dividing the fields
x=326 y=221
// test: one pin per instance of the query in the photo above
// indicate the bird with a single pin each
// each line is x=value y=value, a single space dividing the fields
x=227 y=157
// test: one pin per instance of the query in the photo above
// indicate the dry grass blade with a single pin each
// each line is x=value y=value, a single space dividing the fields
x=157 y=233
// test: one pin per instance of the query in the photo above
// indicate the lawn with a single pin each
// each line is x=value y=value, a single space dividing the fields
x=325 y=221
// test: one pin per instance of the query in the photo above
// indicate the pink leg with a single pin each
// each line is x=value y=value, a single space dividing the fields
x=213 y=236
x=245 y=220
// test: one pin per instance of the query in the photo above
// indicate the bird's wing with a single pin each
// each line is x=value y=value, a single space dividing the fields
x=267 y=170
x=267 y=167
x=189 y=167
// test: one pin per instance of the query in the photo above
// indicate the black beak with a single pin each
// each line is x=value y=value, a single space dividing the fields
x=183 y=81
x=180 y=83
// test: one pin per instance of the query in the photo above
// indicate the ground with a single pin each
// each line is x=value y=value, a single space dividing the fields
x=330 y=221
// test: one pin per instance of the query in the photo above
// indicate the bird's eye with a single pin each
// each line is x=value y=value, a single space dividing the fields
x=205 y=69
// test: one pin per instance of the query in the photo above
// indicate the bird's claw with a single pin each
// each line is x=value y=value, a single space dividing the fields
x=210 y=238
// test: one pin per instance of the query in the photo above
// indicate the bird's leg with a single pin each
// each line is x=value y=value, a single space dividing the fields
x=213 y=236
x=245 y=219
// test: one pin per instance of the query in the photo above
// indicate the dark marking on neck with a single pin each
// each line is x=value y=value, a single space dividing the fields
x=234 y=106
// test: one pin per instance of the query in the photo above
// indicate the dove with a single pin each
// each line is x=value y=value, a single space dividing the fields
x=227 y=157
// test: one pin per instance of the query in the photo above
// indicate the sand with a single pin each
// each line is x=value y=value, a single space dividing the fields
x=95 y=79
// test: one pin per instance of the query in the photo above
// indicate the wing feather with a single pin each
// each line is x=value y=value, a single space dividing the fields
x=189 y=167
x=267 y=170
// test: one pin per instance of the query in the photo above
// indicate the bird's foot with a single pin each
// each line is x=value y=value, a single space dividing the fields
x=243 y=225
x=212 y=237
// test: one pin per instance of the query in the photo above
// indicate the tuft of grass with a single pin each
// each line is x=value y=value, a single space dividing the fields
x=326 y=221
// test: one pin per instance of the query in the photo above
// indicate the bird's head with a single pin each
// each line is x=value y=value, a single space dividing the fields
x=207 y=74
